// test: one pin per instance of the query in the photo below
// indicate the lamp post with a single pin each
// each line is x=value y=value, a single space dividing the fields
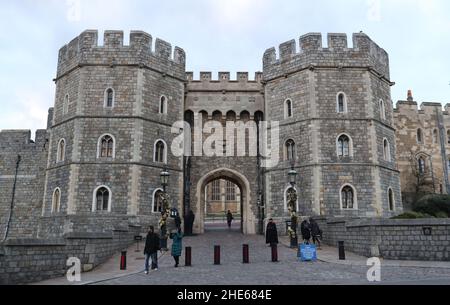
x=163 y=222
x=164 y=179
x=292 y=197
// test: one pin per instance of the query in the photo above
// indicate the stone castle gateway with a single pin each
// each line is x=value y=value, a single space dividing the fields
x=97 y=165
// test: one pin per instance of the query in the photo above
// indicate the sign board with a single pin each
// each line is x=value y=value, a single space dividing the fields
x=307 y=253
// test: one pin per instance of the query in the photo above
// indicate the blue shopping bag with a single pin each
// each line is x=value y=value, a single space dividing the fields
x=307 y=253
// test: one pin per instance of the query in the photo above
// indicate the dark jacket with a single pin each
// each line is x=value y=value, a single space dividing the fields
x=178 y=222
x=152 y=244
x=177 y=245
x=305 y=228
x=315 y=230
x=271 y=234
x=229 y=217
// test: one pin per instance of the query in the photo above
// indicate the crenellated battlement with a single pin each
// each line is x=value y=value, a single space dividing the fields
x=408 y=107
x=311 y=53
x=242 y=77
x=19 y=139
x=85 y=50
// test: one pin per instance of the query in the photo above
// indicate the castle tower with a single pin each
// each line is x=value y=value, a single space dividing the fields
x=114 y=108
x=336 y=127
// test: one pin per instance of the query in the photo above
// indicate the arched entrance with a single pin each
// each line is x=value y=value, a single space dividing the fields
x=248 y=219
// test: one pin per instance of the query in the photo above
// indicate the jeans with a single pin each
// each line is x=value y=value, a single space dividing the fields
x=177 y=260
x=154 y=258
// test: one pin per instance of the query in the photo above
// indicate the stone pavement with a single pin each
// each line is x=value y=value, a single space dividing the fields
x=260 y=271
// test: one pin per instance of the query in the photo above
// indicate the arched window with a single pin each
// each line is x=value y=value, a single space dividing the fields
x=382 y=110
x=344 y=146
x=419 y=136
x=217 y=116
x=391 y=200
x=435 y=136
x=61 y=152
x=163 y=105
x=290 y=150
x=106 y=147
x=102 y=199
x=341 y=101
x=160 y=152
x=230 y=191
x=216 y=193
x=157 y=206
x=231 y=116
x=56 y=200
x=245 y=116
x=422 y=165
x=386 y=150
x=348 y=198
x=109 y=98
x=288 y=109
x=66 y=104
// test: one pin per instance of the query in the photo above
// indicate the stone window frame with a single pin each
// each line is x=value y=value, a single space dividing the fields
x=355 y=198
x=164 y=154
x=94 y=199
x=345 y=103
x=56 y=206
x=350 y=144
x=66 y=101
x=435 y=136
x=165 y=106
x=389 y=191
x=422 y=164
x=154 y=201
x=420 y=136
x=382 y=107
x=286 y=156
x=99 y=146
x=61 y=158
x=285 y=197
x=230 y=191
x=105 y=102
x=387 y=156
x=286 y=109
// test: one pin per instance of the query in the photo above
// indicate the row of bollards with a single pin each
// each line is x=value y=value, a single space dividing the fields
x=245 y=255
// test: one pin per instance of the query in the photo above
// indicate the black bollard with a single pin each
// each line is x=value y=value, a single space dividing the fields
x=274 y=253
x=245 y=254
x=123 y=261
x=341 y=251
x=188 y=258
x=216 y=255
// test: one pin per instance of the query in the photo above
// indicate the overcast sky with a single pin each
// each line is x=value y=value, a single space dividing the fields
x=217 y=35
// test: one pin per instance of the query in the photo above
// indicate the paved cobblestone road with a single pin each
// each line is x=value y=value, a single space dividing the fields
x=261 y=271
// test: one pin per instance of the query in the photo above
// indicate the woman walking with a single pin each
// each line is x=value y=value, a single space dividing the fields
x=177 y=246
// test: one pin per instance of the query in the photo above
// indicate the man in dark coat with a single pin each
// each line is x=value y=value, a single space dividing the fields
x=271 y=233
x=305 y=228
x=178 y=222
x=315 y=232
x=189 y=222
x=152 y=245
x=229 y=219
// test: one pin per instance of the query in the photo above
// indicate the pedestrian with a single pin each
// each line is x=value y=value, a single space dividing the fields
x=271 y=233
x=177 y=246
x=305 y=229
x=229 y=219
x=189 y=222
x=315 y=232
x=152 y=245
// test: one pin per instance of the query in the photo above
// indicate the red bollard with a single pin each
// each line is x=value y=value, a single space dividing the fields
x=245 y=254
x=216 y=255
x=187 y=261
x=274 y=253
x=123 y=261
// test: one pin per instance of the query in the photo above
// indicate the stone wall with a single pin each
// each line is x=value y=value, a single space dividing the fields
x=31 y=260
x=389 y=238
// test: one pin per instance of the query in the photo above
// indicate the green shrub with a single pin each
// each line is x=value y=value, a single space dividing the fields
x=434 y=205
x=412 y=215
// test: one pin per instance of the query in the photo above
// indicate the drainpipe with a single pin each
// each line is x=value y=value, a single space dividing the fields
x=443 y=141
x=19 y=158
